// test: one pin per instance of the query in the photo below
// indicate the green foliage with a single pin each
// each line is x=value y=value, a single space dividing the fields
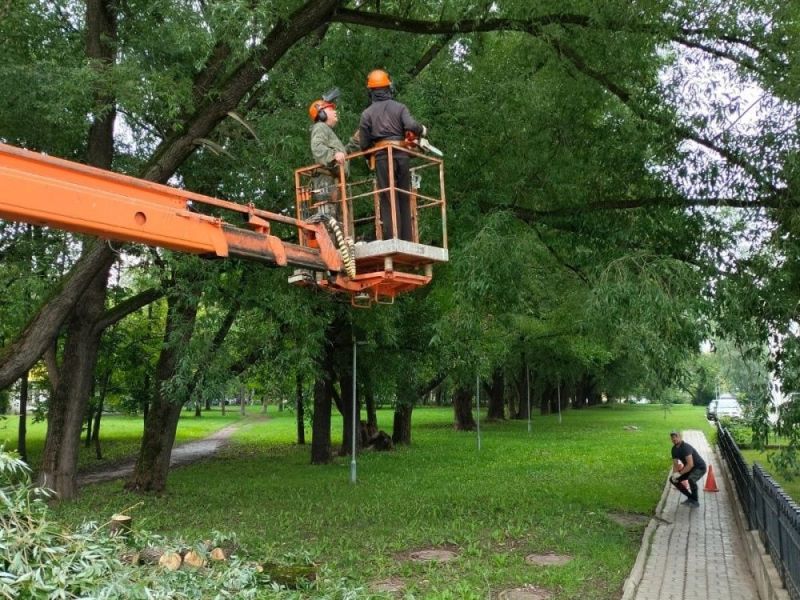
x=576 y=152
x=39 y=559
x=740 y=430
x=786 y=461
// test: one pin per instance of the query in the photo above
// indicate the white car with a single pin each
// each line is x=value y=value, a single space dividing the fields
x=725 y=406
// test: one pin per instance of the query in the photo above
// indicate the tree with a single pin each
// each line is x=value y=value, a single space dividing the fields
x=583 y=249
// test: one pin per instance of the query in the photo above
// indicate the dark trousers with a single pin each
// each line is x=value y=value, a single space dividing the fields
x=402 y=181
x=692 y=477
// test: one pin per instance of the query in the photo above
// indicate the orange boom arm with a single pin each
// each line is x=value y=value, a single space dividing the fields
x=42 y=190
x=57 y=193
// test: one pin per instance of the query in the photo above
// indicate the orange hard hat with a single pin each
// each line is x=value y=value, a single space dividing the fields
x=316 y=110
x=378 y=79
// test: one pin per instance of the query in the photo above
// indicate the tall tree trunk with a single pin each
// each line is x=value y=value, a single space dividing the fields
x=496 y=388
x=543 y=396
x=407 y=398
x=89 y=417
x=22 y=428
x=372 y=413
x=87 y=440
x=69 y=401
x=300 y=410
x=98 y=451
x=462 y=406
x=242 y=399
x=401 y=427
x=522 y=394
x=99 y=413
x=70 y=398
x=152 y=465
x=321 y=452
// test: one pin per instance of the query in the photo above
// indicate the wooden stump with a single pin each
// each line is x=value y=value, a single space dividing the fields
x=170 y=561
x=120 y=524
x=150 y=556
x=382 y=441
x=218 y=554
x=194 y=560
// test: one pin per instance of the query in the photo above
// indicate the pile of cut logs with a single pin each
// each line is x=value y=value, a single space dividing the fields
x=170 y=559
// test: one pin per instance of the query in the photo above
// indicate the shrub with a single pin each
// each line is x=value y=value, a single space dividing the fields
x=39 y=560
x=740 y=430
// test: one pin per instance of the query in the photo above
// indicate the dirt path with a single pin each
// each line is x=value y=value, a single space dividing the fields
x=183 y=454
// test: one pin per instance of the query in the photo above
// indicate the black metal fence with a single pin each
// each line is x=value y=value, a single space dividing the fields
x=769 y=510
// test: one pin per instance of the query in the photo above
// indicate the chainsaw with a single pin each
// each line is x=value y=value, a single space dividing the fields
x=412 y=140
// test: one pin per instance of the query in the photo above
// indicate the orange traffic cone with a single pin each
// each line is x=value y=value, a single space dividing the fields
x=711 y=482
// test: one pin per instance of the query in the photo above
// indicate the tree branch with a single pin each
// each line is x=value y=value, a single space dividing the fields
x=127 y=306
x=394 y=23
x=429 y=55
x=683 y=131
x=532 y=215
x=286 y=33
x=558 y=258
x=744 y=61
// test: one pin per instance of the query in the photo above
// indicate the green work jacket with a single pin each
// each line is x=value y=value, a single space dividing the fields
x=325 y=143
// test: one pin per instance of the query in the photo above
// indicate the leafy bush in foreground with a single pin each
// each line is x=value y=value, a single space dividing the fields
x=38 y=560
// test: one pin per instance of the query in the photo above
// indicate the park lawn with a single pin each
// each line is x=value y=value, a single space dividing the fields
x=790 y=486
x=550 y=491
x=120 y=435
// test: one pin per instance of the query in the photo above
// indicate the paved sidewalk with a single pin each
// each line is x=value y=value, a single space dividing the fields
x=693 y=553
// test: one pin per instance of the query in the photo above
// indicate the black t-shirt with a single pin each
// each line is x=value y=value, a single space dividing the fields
x=682 y=450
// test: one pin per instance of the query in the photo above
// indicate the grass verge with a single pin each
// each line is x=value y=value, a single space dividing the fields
x=545 y=492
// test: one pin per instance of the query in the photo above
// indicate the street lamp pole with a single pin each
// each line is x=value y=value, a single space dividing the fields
x=528 y=383
x=559 y=402
x=353 y=467
x=478 y=406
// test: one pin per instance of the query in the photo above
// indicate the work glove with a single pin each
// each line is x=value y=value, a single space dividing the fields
x=424 y=131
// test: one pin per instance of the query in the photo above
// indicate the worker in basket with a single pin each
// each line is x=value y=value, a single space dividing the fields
x=386 y=121
x=329 y=152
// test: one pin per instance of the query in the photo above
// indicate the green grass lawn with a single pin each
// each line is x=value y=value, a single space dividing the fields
x=119 y=435
x=790 y=486
x=550 y=491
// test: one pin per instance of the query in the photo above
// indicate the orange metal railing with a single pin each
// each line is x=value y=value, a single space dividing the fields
x=394 y=267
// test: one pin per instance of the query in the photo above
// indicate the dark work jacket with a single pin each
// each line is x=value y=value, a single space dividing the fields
x=385 y=119
x=683 y=451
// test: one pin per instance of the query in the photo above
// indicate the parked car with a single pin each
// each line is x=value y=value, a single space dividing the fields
x=724 y=406
x=711 y=410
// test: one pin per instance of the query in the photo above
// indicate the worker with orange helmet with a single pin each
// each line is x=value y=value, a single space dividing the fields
x=386 y=121
x=328 y=150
